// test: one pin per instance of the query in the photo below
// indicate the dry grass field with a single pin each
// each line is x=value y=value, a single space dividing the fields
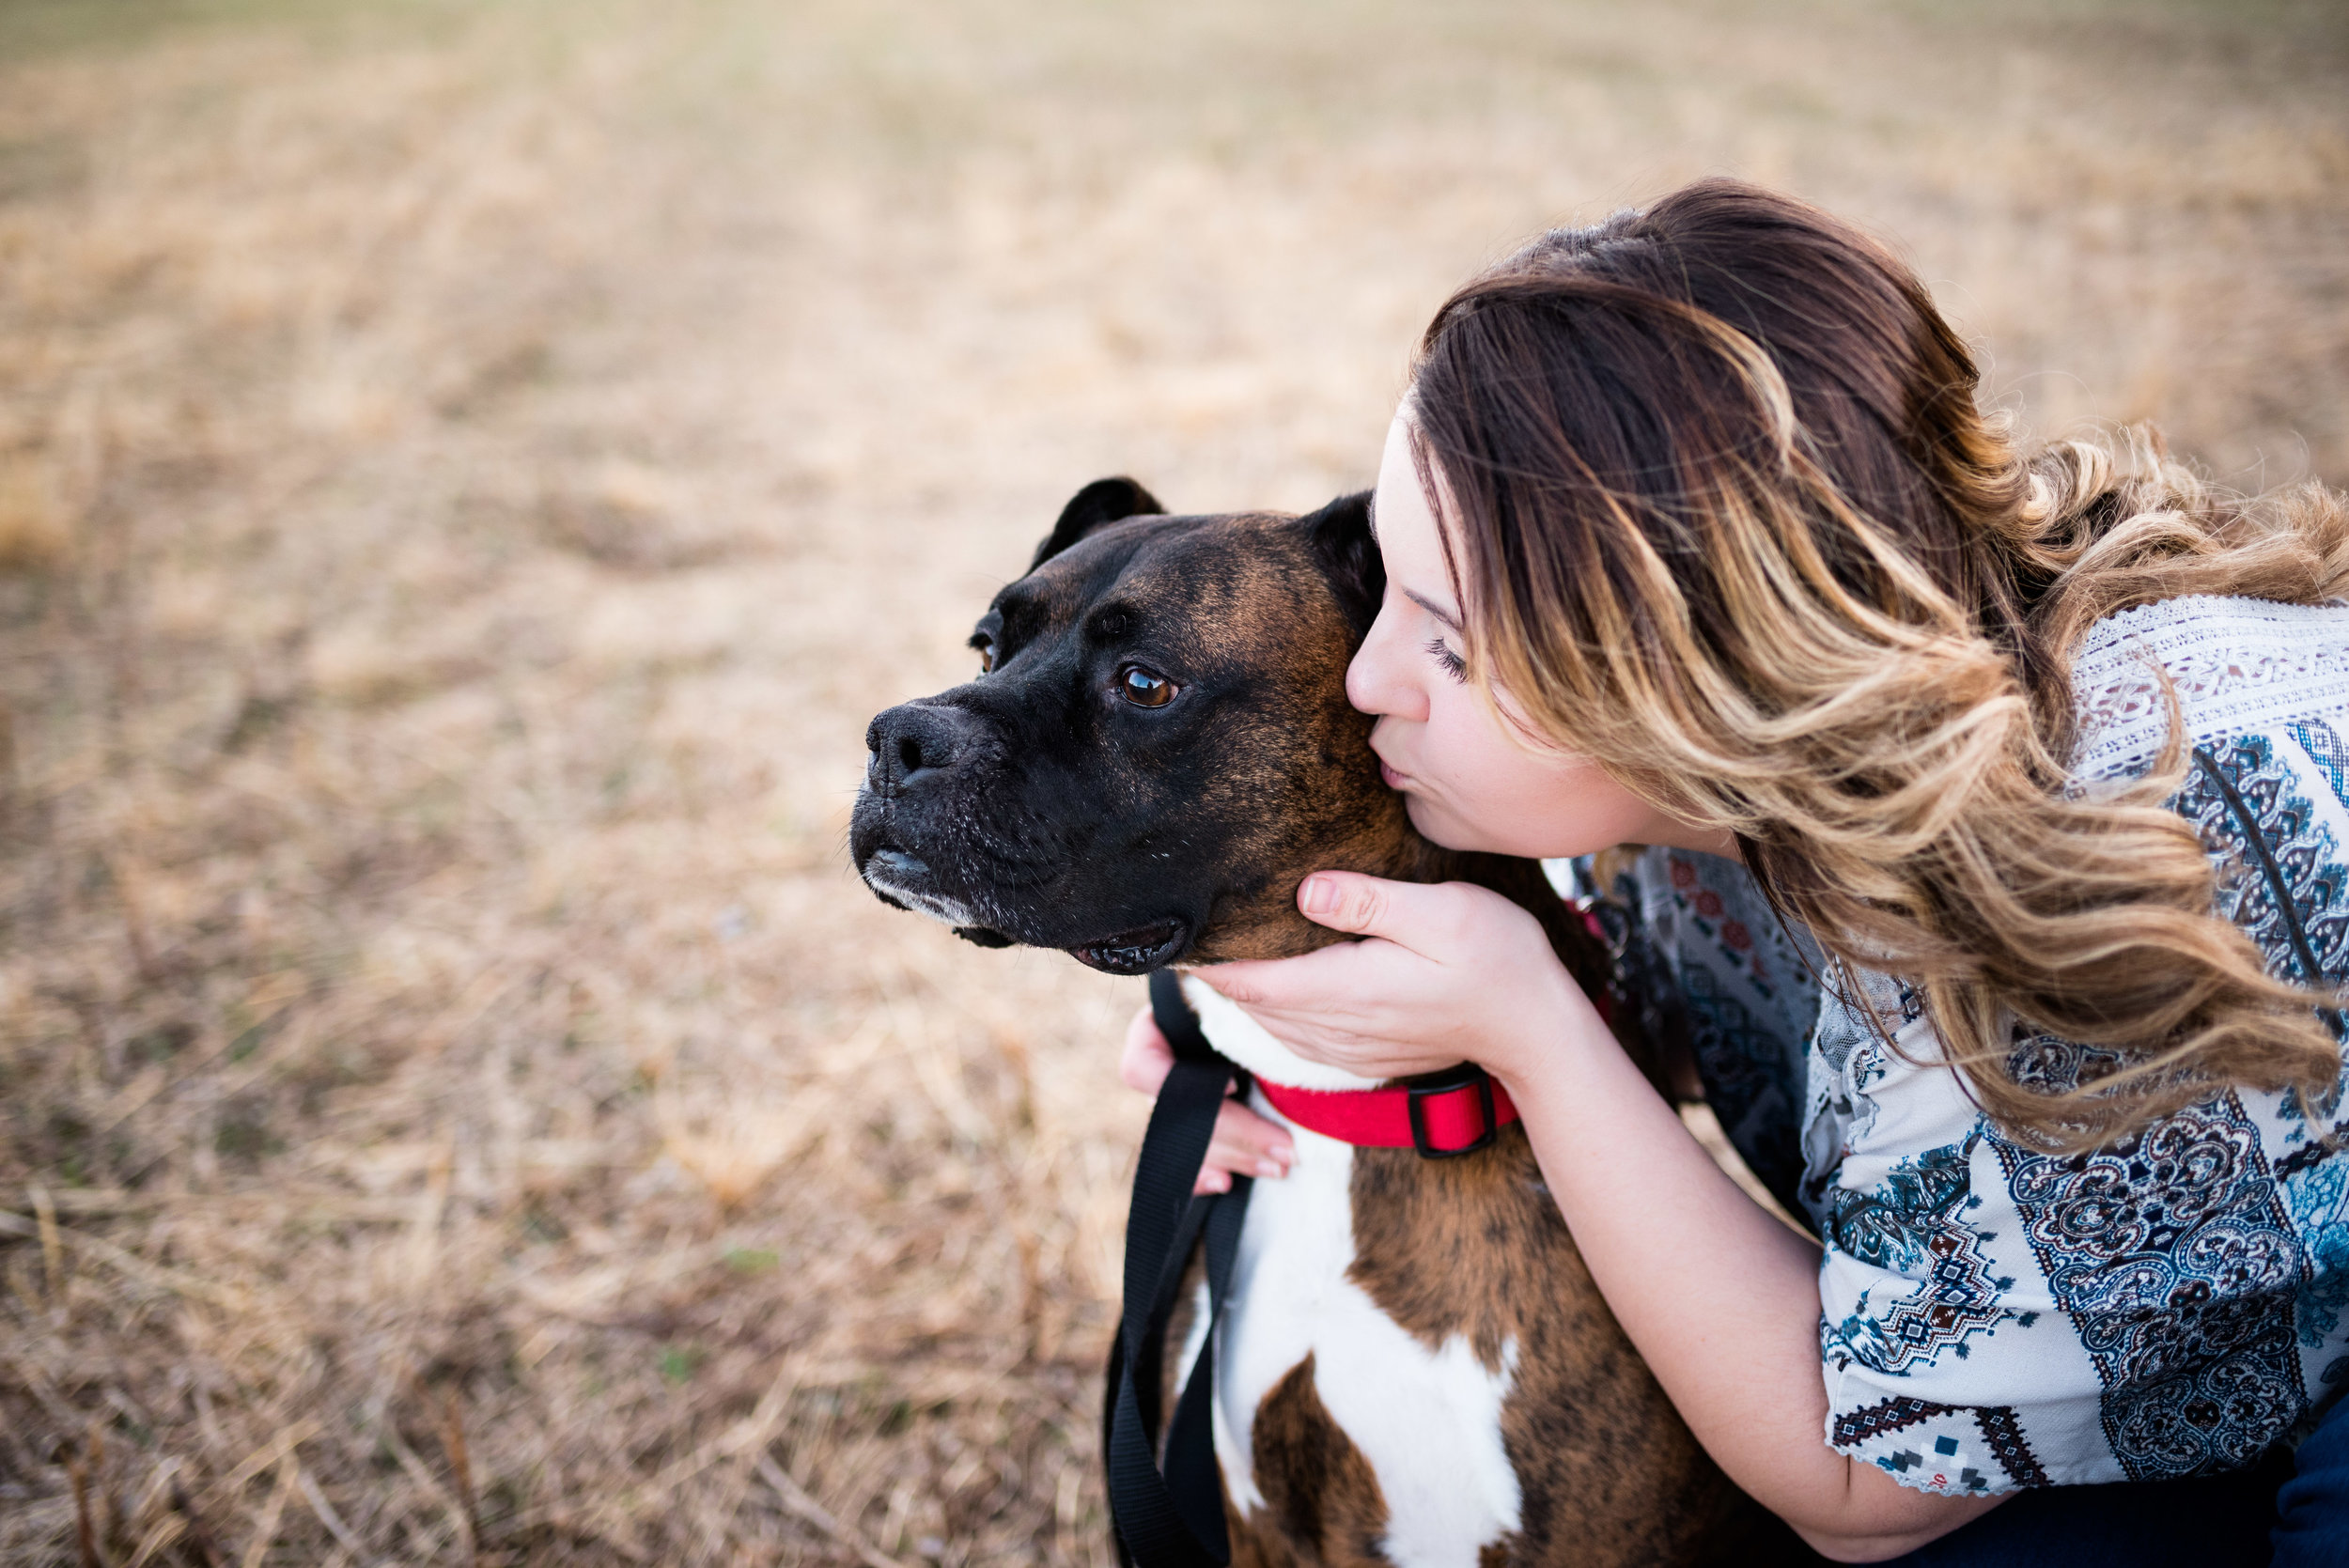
x=469 y=470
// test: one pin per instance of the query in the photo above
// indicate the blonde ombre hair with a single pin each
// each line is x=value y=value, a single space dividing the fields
x=1727 y=520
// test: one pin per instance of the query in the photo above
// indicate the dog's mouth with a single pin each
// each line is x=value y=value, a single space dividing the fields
x=901 y=877
x=1136 y=952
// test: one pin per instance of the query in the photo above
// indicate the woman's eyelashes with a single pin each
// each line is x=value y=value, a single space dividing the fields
x=1454 y=665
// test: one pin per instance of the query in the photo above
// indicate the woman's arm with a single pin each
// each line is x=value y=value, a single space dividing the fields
x=1720 y=1299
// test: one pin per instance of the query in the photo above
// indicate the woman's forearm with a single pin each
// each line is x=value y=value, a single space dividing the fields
x=1720 y=1299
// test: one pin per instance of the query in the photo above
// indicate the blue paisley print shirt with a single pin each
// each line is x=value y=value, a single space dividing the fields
x=1994 y=1316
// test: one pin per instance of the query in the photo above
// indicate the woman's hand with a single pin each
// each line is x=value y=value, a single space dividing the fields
x=1450 y=973
x=1245 y=1143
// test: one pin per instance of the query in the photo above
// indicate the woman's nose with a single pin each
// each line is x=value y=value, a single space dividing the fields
x=1379 y=680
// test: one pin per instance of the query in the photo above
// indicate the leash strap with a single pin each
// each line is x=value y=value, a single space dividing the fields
x=1171 y=1517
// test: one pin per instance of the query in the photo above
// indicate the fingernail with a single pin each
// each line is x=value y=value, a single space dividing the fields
x=1216 y=1181
x=1320 y=895
x=1271 y=1168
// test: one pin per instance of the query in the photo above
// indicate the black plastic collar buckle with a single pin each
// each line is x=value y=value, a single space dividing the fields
x=1451 y=1080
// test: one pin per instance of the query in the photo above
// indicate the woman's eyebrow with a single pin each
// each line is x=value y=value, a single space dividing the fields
x=1434 y=609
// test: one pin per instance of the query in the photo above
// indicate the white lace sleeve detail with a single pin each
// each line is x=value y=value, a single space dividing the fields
x=2237 y=665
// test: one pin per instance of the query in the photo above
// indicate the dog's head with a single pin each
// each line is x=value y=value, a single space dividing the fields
x=1158 y=748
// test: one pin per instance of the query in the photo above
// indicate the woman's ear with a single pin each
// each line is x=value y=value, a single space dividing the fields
x=1104 y=501
x=1342 y=543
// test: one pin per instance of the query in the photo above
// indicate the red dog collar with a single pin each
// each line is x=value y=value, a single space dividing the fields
x=1444 y=1115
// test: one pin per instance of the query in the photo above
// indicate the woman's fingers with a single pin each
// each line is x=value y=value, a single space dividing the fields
x=1315 y=980
x=1424 y=916
x=1446 y=972
x=1146 y=1057
x=1346 y=901
x=1411 y=924
x=1248 y=1143
x=1245 y=1144
x=1243 y=1141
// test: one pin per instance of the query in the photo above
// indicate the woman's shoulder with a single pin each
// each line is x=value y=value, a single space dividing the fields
x=2234 y=666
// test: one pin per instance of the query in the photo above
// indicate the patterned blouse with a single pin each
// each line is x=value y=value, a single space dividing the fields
x=1994 y=1316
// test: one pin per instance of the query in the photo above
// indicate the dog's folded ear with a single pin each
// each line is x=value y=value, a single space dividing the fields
x=1342 y=540
x=1104 y=501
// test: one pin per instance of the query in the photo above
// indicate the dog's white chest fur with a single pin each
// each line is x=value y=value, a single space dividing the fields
x=1427 y=1422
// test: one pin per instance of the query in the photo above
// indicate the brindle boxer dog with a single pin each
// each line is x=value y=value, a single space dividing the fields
x=1416 y=1367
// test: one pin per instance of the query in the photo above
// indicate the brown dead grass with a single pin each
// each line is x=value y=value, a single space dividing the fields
x=467 y=475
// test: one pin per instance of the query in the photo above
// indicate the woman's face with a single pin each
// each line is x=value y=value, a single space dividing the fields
x=1470 y=783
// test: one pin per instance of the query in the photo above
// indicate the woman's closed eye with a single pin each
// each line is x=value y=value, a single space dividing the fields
x=1454 y=665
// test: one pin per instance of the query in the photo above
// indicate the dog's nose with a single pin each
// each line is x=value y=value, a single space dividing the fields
x=913 y=741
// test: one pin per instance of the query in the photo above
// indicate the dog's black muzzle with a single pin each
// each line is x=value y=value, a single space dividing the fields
x=917 y=839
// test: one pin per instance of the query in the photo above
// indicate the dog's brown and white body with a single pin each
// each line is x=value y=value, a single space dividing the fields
x=1414 y=1367
x=1429 y=1479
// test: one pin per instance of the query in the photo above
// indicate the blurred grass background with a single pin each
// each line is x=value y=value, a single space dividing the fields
x=469 y=470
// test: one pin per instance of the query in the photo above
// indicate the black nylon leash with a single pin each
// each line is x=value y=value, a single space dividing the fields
x=1171 y=1517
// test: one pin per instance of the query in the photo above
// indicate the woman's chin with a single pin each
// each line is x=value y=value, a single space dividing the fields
x=1445 y=830
x=1440 y=825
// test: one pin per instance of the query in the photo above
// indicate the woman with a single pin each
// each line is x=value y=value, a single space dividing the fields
x=2033 y=770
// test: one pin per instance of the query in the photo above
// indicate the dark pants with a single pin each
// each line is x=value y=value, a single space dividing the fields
x=2288 y=1510
x=2312 y=1509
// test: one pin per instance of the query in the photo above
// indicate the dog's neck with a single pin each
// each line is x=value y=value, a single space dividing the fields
x=1386 y=847
x=1267 y=923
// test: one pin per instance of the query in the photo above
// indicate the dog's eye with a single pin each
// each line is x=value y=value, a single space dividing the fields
x=1140 y=687
x=986 y=645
